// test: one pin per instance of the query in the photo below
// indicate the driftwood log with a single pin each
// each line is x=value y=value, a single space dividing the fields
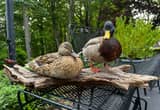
x=116 y=76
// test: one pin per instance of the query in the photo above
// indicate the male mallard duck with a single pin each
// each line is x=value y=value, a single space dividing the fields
x=63 y=64
x=103 y=48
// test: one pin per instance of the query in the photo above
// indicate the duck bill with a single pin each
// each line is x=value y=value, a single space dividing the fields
x=107 y=35
x=74 y=54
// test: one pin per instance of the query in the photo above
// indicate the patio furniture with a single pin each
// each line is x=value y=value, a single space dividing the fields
x=85 y=98
x=151 y=67
x=81 y=98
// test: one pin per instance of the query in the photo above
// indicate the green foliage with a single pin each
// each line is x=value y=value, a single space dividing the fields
x=4 y=52
x=136 y=37
x=49 y=20
x=21 y=56
x=8 y=94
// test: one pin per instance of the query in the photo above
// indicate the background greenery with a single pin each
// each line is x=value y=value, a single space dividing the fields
x=8 y=94
x=49 y=23
x=136 y=38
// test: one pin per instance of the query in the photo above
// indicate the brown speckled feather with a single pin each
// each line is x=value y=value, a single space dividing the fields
x=54 y=65
x=60 y=64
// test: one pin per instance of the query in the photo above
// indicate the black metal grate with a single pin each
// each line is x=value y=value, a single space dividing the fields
x=94 y=98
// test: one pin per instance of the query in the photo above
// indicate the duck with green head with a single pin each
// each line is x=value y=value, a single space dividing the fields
x=103 y=49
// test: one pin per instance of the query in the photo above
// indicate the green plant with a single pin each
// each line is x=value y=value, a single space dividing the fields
x=21 y=56
x=3 y=53
x=8 y=94
x=136 y=37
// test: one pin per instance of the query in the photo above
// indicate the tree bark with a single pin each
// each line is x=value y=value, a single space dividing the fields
x=27 y=32
x=87 y=12
x=54 y=24
x=70 y=19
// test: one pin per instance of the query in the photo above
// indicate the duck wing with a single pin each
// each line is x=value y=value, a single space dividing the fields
x=47 y=58
x=42 y=60
x=91 y=50
x=93 y=41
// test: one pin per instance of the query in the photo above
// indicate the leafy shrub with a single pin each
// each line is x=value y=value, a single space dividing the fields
x=8 y=94
x=21 y=56
x=136 y=37
x=3 y=53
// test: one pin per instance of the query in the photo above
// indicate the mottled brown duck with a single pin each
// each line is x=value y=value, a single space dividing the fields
x=63 y=64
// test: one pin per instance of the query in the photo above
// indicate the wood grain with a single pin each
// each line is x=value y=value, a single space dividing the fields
x=116 y=76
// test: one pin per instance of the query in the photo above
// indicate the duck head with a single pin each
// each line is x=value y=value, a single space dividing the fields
x=110 y=48
x=108 y=29
x=66 y=49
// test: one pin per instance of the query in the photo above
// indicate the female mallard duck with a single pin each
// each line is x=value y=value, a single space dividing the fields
x=63 y=64
x=104 y=48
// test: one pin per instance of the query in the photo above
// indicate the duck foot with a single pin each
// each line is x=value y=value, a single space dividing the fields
x=95 y=70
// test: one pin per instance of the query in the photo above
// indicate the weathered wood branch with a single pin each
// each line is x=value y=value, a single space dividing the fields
x=116 y=76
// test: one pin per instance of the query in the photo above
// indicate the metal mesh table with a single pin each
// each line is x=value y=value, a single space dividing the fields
x=82 y=98
x=93 y=97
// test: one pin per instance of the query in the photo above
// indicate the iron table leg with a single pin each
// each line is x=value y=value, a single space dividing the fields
x=19 y=100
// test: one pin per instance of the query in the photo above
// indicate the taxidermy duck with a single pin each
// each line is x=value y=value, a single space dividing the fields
x=102 y=49
x=63 y=64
